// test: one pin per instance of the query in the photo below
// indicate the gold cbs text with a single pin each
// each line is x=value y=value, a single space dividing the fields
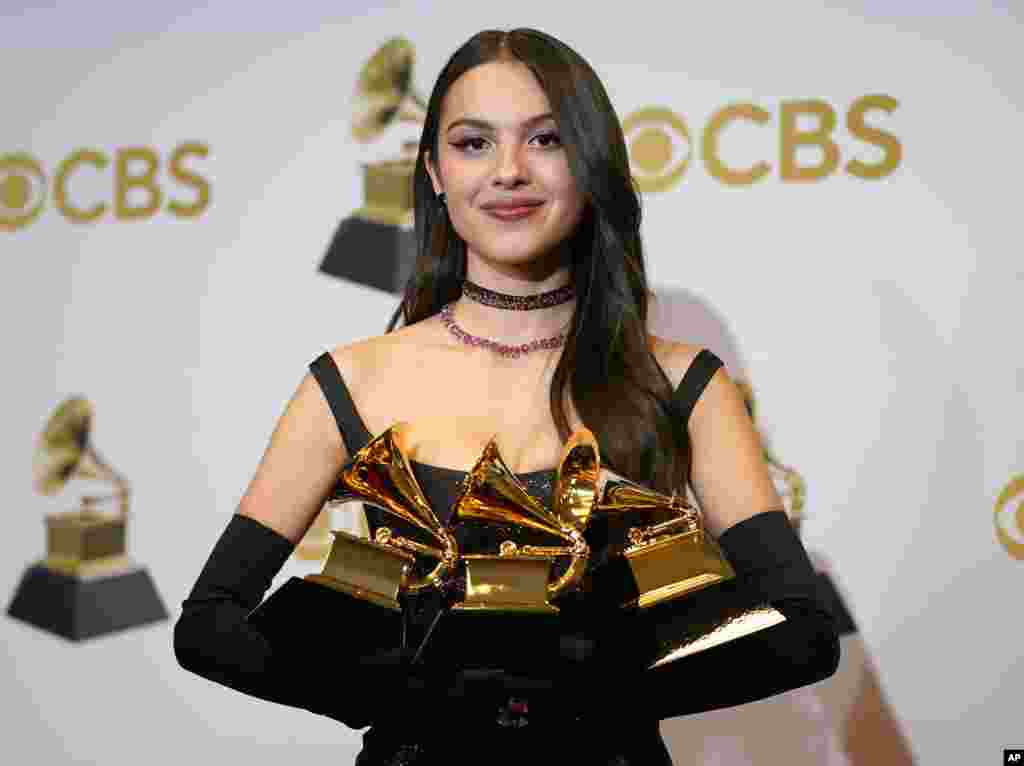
x=648 y=133
x=138 y=187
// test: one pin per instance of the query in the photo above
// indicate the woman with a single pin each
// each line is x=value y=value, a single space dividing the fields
x=525 y=318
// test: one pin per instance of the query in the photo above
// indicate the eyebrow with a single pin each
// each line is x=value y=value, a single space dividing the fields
x=476 y=122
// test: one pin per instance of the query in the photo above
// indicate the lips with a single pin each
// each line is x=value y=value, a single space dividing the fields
x=512 y=211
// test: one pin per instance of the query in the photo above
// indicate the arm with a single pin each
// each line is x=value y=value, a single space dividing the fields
x=213 y=637
x=741 y=506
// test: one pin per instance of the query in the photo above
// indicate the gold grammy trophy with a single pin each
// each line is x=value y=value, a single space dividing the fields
x=674 y=559
x=358 y=594
x=375 y=246
x=381 y=569
x=670 y=562
x=668 y=559
x=510 y=616
x=87 y=585
x=520 y=577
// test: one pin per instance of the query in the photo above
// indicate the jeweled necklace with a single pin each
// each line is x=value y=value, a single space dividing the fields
x=509 y=351
x=498 y=300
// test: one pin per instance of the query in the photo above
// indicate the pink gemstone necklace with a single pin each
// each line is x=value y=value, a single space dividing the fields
x=513 y=351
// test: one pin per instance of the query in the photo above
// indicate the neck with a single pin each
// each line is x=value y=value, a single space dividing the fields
x=506 y=325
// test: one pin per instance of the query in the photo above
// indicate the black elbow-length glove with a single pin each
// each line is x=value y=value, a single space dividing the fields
x=771 y=567
x=215 y=639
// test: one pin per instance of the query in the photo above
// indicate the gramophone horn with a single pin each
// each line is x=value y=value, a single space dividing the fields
x=63 y=452
x=491 y=492
x=576 y=483
x=384 y=91
x=573 y=499
x=380 y=475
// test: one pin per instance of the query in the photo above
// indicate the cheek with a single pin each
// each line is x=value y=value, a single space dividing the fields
x=562 y=185
x=460 y=177
x=571 y=201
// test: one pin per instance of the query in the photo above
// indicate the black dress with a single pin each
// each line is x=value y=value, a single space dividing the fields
x=500 y=734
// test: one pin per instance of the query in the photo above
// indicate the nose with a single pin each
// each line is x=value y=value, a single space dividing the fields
x=511 y=170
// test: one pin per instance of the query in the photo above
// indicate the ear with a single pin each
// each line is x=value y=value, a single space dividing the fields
x=435 y=178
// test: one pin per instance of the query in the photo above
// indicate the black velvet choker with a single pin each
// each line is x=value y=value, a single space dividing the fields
x=498 y=300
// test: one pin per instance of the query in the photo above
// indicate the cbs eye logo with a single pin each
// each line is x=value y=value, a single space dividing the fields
x=22 y=190
x=1009 y=518
x=661 y=145
x=89 y=184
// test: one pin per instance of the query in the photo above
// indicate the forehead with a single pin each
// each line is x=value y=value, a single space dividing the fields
x=502 y=92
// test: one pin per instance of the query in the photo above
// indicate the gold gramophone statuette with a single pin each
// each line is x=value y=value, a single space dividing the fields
x=90 y=540
x=517 y=578
x=379 y=570
x=87 y=585
x=668 y=559
x=383 y=224
x=673 y=558
x=384 y=94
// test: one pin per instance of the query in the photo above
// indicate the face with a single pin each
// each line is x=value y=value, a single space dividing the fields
x=499 y=146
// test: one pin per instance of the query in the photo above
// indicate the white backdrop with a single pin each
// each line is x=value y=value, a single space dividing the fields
x=874 y=316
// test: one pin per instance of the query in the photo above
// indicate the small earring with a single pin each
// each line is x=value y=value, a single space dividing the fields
x=441 y=198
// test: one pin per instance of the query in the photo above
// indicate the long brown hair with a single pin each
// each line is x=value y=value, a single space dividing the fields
x=607 y=367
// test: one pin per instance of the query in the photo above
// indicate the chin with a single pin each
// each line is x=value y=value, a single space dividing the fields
x=512 y=256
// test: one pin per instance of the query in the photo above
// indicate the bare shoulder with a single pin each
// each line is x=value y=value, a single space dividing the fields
x=720 y=398
x=674 y=357
x=729 y=475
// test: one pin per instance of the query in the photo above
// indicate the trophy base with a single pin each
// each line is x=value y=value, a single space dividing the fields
x=674 y=567
x=355 y=592
x=371 y=253
x=365 y=569
x=84 y=536
x=303 y=614
x=517 y=584
x=79 y=608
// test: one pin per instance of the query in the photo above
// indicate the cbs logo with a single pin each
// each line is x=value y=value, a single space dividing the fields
x=661 y=145
x=88 y=184
x=1009 y=518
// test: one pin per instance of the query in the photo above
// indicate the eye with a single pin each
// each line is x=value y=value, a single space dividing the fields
x=471 y=145
x=22 y=190
x=659 y=148
x=548 y=140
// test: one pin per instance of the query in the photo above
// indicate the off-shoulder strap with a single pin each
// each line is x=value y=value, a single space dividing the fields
x=695 y=380
x=353 y=430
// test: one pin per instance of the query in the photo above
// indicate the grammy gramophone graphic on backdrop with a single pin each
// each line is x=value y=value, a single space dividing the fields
x=87 y=585
x=375 y=245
